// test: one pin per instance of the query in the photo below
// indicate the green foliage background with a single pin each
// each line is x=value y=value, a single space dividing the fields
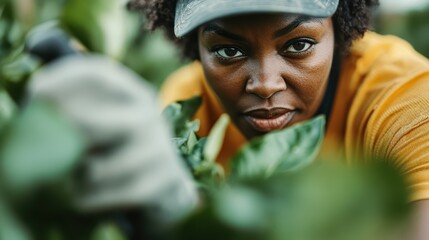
x=148 y=54
x=412 y=26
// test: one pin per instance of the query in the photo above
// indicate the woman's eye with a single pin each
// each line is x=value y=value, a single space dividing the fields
x=228 y=52
x=299 y=47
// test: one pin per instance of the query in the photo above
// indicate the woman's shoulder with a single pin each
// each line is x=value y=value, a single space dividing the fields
x=377 y=64
x=374 y=50
x=389 y=103
x=182 y=84
x=375 y=40
x=380 y=67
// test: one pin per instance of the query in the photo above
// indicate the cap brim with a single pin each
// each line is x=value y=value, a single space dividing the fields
x=192 y=13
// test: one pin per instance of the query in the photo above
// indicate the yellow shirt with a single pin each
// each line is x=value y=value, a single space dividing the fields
x=381 y=106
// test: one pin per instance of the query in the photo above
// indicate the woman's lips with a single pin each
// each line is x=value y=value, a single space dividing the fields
x=267 y=120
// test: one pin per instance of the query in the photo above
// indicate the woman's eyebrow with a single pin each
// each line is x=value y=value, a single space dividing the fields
x=294 y=24
x=216 y=29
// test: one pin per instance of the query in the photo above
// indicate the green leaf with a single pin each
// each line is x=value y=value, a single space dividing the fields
x=195 y=159
x=179 y=115
x=20 y=68
x=329 y=200
x=286 y=150
x=15 y=69
x=241 y=207
x=11 y=29
x=192 y=141
x=179 y=141
x=107 y=231
x=215 y=139
x=153 y=56
x=10 y=227
x=40 y=146
x=199 y=154
x=7 y=109
x=101 y=25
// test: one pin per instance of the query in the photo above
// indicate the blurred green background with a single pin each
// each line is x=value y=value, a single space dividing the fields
x=148 y=54
x=406 y=19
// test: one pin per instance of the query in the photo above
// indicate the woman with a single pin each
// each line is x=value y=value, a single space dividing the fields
x=271 y=64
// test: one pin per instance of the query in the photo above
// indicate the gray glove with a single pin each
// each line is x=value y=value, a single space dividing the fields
x=131 y=160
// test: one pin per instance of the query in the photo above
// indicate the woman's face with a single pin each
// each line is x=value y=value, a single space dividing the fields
x=268 y=71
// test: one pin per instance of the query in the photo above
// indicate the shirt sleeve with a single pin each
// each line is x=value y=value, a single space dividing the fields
x=182 y=84
x=389 y=117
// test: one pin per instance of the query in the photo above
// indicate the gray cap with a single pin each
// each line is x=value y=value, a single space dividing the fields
x=192 y=13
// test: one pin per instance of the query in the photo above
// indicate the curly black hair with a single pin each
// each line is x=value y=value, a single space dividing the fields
x=351 y=21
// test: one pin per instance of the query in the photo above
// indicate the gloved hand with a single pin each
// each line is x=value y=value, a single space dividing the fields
x=131 y=161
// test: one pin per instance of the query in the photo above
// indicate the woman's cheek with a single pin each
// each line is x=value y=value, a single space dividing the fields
x=316 y=74
x=227 y=82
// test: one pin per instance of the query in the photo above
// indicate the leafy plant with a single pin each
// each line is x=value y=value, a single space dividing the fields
x=276 y=189
x=27 y=160
x=287 y=150
x=324 y=201
x=199 y=153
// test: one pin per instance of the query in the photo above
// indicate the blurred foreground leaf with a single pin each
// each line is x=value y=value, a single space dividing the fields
x=101 y=25
x=15 y=70
x=11 y=29
x=153 y=56
x=199 y=154
x=39 y=147
x=179 y=115
x=7 y=109
x=326 y=201
x=20 y=68
x=215 y=139
x=10 y=228
x=107 y=231
x=287 y=150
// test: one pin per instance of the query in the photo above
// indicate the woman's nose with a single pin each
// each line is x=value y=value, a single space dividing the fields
x=266 y=78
